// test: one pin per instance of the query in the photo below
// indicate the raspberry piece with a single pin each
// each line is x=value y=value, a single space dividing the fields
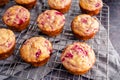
x=79 y=50
x=20 y=22
x=38 y=53
x=84 y=20
x=97 y=5
x=63 y=59
x=69 y=55
x=58 y=13
x=9 y=44
x=42 y=23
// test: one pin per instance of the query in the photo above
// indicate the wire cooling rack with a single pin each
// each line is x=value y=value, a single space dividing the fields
x=15 y=67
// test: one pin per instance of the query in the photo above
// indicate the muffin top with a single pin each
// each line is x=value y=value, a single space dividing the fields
x=7 y=40
x=58 y=4
x=78 y=56
x=16 y=15
x=4 y=1
x=36 y=49
x=51 y=20
x=91 y=4
x=24 y=1
x=85 y=25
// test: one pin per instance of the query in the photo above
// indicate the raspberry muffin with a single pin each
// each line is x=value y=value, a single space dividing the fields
x=78 y=58
x=17 y=18
x=29 y=4
x=3 y=2
x=91 y=7
x=7 y=43
x=60 y=5
x=36 y=51
x=51 y=22
x=84 y=26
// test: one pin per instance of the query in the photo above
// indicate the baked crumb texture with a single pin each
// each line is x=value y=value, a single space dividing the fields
x=60 y=5
x=78 y=58
x=51 y=22
x=7 y=43
x=29 y=4
x=84 y=26
x=17 y=18
x=36 y=51
x=91 y=7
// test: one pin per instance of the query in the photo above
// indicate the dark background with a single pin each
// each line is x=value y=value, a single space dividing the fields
x=114 y=22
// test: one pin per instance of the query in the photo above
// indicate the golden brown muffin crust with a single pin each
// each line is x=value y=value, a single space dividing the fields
x=7 y=43
x=7 y=40
x=51 y=22
x=84 y=25
x=59 y=4
x=29 y=4
x=3 y=2
x=78 y=58
x=25 y=1
x=36 y=50
x=17 y=17
x=91 y=4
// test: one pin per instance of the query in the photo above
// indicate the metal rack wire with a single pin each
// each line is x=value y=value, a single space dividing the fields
x=14 y=66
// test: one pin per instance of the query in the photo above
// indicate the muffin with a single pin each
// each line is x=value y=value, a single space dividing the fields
x=78 y=58
x=17 y=18
x=91 y=7
x=29 y=4
x=84 y=26
x=62 y=6
x=7 y=43
x=36 y=51
x=51 y=22
x=3 y=2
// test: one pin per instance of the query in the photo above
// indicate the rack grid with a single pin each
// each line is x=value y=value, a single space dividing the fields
x=15 y=67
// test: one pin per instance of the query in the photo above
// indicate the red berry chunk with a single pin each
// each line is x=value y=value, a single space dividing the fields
x=85 y=52
x=87 y=30
x=9 y=44
x=20 y=22
x=69 y=55
x=48 y=17
x=50 y=50
x=38 y=53
x=84 y=20
x=97 y=5
x=42 y=23
x=79 y=50
x=63 y=59
x=58 y=13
